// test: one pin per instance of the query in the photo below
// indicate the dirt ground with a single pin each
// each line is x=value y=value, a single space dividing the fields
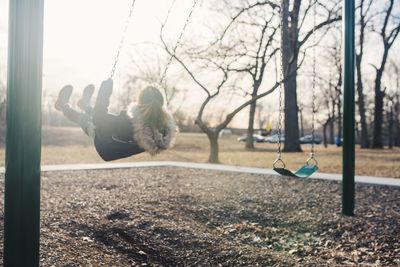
x=186 y=217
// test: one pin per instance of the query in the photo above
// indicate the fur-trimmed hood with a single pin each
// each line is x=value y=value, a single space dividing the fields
x=152 y=140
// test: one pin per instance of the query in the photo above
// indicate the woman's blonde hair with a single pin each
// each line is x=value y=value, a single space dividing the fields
x=151 y=103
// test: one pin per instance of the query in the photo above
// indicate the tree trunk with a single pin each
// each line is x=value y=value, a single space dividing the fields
x=396 y=139
x=250 y=127
x=324 y=133
x=332 y=132
x=378 y=121
x=390 y=120
x=290 y=46
x=397 y=120
x=214 y=147
x=378 y=112
x=364 y=138
x=301 y=122
x=292 y=143
x=339 y=121
x=364 y=142
x=332 y=125
x=357 y=131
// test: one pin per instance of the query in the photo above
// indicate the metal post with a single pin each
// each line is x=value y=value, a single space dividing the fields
x=23 y=139
x=348 y=109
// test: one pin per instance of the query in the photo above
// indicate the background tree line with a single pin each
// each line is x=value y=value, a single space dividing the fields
x=232 y=64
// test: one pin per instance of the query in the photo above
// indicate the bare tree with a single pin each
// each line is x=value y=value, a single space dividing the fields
x=393 y=103
x=330 y=88
x=338 y=88
x=257 y=28
x=257 y=72
x=218 y=61
x=396 y=108
x=328 y=104
x=335 y=56
x=396 y=104
x=388 y=32
x=364 y=8
x=328 y=122
x=293 y=38
x=390 y=113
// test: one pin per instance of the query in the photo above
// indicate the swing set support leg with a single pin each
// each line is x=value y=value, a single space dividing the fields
x=23 y=139
x=348 y=110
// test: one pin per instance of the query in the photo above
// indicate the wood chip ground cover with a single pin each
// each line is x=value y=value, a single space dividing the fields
x=185 y=217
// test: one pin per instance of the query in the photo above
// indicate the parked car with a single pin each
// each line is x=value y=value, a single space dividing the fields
x=225 y=133
x=307 y=139
x=274 y=138
x=256 y=138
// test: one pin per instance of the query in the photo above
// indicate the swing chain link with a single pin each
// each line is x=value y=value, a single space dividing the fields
x=127 y=22
x=278 y=160
x=179 y=40
x=312 y=160
x=312 y=154
x=280 y=122
x=281 y=77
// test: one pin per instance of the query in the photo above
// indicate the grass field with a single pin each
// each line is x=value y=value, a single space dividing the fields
x=70 y=145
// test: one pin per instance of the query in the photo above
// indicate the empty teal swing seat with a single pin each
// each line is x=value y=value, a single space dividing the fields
x=304 y=171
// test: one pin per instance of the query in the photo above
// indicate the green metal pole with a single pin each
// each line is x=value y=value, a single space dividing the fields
x=348 y=109
x=23 y=138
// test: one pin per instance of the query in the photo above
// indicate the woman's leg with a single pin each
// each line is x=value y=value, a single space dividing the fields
x=83 y=119
x=84 y=102
x=72 y=114
x=103 y=98
x=63 y=97
x=109 y=125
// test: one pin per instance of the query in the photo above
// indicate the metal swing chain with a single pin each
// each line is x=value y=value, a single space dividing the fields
x=127 y=22
x=312 y=154
x=281 y=76
x=178 y=42
x=279 y=151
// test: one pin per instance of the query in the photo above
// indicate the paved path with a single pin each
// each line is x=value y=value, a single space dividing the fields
x=208 y=166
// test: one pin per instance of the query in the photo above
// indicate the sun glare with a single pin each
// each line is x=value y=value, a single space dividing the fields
x=82 y=37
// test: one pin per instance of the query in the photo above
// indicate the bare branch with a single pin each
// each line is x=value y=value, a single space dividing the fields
x=317 y=27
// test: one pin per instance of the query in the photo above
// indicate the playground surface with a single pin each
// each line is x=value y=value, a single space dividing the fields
x=170 y=216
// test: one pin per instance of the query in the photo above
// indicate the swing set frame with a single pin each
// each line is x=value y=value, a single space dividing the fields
x=23 y=139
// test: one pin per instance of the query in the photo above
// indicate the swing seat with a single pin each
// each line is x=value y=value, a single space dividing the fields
x=304 y=171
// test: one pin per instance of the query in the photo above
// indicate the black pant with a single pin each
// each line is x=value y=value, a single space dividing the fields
x=113 y=134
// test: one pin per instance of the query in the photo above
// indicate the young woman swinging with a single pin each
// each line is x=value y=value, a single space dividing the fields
x=148 y=126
